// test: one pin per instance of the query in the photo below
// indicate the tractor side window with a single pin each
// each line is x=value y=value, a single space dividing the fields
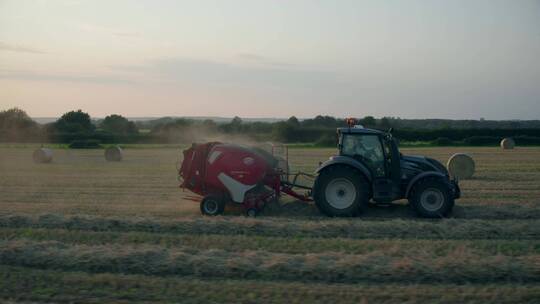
x=367 y=148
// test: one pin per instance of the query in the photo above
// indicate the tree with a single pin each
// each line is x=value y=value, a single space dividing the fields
x=180 y=124
x=293 y=121
x=74 y=122
x=368 y=121
x=179 y=130
x=209 y=125
x=385 y=123
x=235 y=125
x=118 y=124
x=326 y=121
x=284 y=131
x=16 y=125
x=236 y=121
x=15 y=118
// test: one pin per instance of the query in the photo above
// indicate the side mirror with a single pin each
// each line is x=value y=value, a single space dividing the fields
x=388 y=134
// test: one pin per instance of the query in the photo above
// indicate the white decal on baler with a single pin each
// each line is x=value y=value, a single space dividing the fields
x=213 y=156
x=248 y=161
x=236 y=188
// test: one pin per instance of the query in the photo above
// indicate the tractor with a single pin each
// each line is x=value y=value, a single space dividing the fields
x=369 y=166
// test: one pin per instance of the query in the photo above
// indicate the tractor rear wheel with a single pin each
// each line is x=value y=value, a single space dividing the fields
x=341 y=191
x=432 y=198
x=212 y=205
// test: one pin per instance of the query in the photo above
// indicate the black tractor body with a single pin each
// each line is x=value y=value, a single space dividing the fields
x=369 y=167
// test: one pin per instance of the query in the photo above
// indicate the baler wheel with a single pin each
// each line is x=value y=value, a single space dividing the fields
x=251 y=212
x=212 y=205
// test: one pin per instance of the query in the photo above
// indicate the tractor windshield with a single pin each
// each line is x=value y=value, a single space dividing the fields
x=366 y=148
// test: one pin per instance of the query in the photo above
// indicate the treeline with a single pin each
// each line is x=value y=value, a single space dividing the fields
x=396 y=122
x=435 y=124
x=77 y=128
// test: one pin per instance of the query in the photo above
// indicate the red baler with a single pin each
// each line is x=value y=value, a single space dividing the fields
x=223 y=173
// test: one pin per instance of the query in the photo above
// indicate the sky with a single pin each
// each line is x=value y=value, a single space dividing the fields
x=457 y=59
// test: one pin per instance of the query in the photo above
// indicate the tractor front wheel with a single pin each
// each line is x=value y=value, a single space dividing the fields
x=212 y=205
x=432 y=198
x=341 y=191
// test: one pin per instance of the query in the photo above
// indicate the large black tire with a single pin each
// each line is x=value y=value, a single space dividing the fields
x=341 y=191
x=432 y=198
x=212 y=205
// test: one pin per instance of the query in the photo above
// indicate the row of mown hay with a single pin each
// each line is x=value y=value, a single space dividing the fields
x=28 y=283
x=460 y=266
x=344 y=228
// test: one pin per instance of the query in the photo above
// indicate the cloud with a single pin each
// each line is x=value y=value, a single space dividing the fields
x=127 y=34
x=91 y=28
x=206 y=72
x=96 y=79
x=262 y=60
x=19 y=48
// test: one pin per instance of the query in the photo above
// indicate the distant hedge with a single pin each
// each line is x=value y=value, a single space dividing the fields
x=487 y=141
x=527 y=140
x=482 y=140
x=462 y=134
x=102 y=137
x=443 y=141
x=472 y=137
x=85 y=144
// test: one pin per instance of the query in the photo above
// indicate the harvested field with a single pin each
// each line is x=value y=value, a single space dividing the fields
x=80 y=227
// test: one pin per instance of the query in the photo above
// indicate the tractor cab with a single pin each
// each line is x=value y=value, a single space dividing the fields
x=378 y=152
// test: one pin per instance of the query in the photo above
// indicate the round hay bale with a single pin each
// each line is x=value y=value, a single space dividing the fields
x=42 y=156
x=461 y=166
x=114 y=154
x=508 y=143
